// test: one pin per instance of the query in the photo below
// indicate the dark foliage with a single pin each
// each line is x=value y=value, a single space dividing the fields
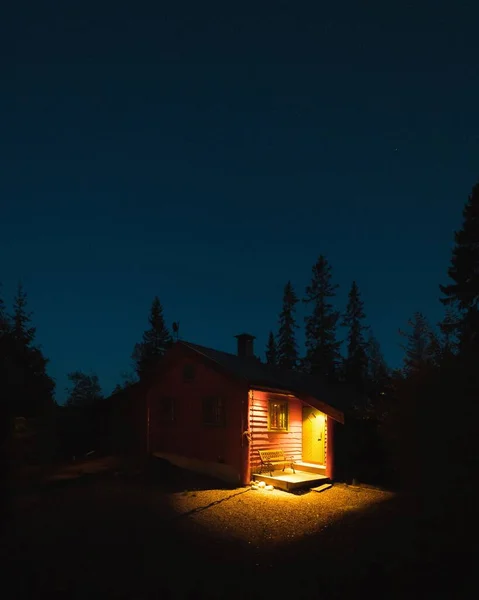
x=378 y=378
x=128 y=379
x=322 y=347
x=287 y=347
x=432 y=425
x=421 y=344
x=271 y=351
x=355 y=365
x=462 y=294
x=85 y=390
x=155 y=342
x=27 y=389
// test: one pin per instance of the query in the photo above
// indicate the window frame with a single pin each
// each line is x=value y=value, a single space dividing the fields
x=285 y=404
x=217 y=408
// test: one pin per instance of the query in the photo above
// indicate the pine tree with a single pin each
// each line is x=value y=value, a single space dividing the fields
x=4 y=320
x=271 y=351
x=156 y=341
x=463 y=293
x=322 y=348
x=421 y=342
x=355 y=363
x=6 y=369
x=379 y=378
x=22 y=330
x=30 y=386
x=85 y=390
x=378 y=371
x=287 y=348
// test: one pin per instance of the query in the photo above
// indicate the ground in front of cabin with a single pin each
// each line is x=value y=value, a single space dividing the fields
x=171 y=534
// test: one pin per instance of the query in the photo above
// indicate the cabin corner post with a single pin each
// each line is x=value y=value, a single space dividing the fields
x=330 y=448
x=246 y=439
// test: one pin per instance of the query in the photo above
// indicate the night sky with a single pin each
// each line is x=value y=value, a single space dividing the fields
x=209 y=152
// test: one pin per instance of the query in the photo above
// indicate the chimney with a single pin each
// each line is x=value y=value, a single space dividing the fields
x=245 y=345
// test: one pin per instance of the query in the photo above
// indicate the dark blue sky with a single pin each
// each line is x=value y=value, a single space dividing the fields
x=207 y=156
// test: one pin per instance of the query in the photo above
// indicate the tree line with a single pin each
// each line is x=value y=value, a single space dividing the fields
x=439 y=372
x=30 y=389
x=363 y=366
x=26 y=388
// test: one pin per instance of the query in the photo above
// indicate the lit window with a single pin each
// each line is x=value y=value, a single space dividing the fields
x=278 y=415
x=213 y=411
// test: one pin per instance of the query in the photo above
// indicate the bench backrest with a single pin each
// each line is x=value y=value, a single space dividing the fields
x=269 y=455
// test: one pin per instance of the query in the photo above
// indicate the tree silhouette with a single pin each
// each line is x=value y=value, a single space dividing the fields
x=378 y=376
x=22 y=330
x=421 y=342
x=287 y=349
x=84 y=391
x=6 y=372
x=463 y=293
x=156 y=341
x=322 y=347
x=5 y=341
x=129 y=379
x=355 y=363
x=378 y=370
x=271 y=351
x=4 y=321
x=28 y=384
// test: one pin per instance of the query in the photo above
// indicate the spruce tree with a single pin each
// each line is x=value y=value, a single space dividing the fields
x=6 y=366
x=420 y=344
x=30 y=385
x=355 y=363
x=287 y=348
x=5 y=337
x=4 y=320
x=271 y=351
x=322 y=347
x=379 y=378
x=22 y=330
x=156 y=341
x=463 y=293
x=378 y=371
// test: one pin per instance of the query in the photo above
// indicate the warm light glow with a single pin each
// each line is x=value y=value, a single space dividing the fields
x=269 y=516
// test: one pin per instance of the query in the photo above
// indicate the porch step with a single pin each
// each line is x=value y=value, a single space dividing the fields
x=291 y=481
x=310 y=467
x=322 y=488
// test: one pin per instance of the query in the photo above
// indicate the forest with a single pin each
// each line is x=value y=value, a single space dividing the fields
x=406 y=428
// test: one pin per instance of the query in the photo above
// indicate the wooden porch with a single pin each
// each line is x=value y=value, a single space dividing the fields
x=291 y=481
x=307 y=475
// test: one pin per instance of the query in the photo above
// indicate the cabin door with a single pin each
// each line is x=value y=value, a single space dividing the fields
x=313 y=435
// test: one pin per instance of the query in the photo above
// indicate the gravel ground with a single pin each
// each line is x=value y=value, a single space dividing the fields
x=177 y=536
x=261 y=517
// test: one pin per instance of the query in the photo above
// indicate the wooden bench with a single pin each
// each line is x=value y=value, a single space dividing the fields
x=269 y=458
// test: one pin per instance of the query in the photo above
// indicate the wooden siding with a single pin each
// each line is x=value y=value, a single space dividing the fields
x=330 y=425
x=262 y=439
x=187 y=435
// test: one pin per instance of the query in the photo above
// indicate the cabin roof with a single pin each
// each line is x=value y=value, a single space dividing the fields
x=260 y=375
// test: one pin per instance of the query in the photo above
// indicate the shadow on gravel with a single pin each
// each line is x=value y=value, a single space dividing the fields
x=115 y=536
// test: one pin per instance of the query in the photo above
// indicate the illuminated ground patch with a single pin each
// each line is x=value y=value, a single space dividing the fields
x=261 y=517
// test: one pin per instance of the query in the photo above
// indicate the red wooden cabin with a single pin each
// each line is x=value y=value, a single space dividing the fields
x=212 y=412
